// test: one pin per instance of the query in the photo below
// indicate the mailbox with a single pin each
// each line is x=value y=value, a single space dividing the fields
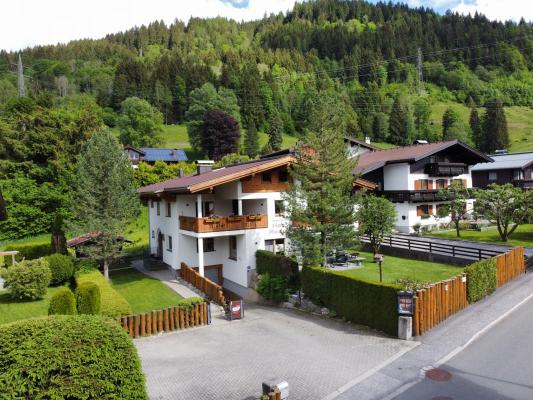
x=378 y=257
x=282 y=386
x=406 y=304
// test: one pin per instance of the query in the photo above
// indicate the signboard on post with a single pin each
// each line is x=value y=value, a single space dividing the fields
x=405 y=303
x=236 y=309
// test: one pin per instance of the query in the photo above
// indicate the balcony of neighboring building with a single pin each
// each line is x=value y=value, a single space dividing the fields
x=523 y=183
x=446 y=169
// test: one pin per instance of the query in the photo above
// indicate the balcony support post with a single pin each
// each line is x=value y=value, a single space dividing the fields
x=199 y=206
x=239 y=207
x=201 y=256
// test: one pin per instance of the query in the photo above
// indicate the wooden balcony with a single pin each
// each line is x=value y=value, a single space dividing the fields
x=221 y=224
x=413 y=196
x=446 y=169
x=523 y=183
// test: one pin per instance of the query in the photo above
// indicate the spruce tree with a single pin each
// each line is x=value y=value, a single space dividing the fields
x=251 y=141
x=496 y=135
x=401 y=125
x=476 y=127
x=3 y=209
x=449 y=118
x=320 y=200
x=275 y=132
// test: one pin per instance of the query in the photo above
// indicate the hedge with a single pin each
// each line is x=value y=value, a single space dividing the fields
x=62 y=302
x=28 y=251
x=88 y=298
x=28 y=279
x=364 y=302
x=112 y=303
x=482 y=279
x=278 y=265
x=69 y=357
x=61 y=266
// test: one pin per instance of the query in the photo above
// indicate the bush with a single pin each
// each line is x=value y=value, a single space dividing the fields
x=482 y=279
x=69 y=357
x=62 y=302
x=27 y=251
x=28 y=280
x=61 y=266
x=364 y=302
x=88 y=298
x=112 y=303
x=191 y=301
x=273 y=288
x=278 y=265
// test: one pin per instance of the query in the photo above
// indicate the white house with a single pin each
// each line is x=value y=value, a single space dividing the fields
x=412 y=176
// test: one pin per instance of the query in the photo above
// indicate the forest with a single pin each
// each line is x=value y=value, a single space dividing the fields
x=388 y=66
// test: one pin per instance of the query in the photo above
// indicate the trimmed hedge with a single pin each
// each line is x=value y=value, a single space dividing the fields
x=482 y=279
x=62 y=302
x=61 y=266
x=190 y=302
x=28 y=279
x=69 y=357
x=273 y=288
x=364 y=302
x=88 y=298
x=28 y=251
x=112 y=303
x=278 y=265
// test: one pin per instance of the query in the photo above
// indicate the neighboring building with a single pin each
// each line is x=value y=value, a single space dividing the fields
x=357 y=147
x=151 y=155
x=412 y=176
x=515 y=168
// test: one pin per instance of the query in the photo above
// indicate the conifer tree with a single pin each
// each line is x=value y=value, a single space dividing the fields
x=476 y=127
x=58 y=240
x=320 y=200
x=495 y=133
x=251 y=141
x=275 y=132
x=401 y=125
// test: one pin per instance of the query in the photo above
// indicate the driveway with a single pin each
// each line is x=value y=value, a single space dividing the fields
x=319 y=358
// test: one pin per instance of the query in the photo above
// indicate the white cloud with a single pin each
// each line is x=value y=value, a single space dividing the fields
x=501 y=10
x=31 y=22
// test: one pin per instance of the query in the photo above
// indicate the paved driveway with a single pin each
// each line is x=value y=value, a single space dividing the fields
x=230 y=360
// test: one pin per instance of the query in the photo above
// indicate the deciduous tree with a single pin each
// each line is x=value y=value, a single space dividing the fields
x=221 y=134
x=376 y=217
x=139 y=123
x=456 y=196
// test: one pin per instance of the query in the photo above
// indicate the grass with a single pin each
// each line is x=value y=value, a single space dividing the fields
x=14 y=310
x=142 y=292
x=523 y=236
x=397 y=268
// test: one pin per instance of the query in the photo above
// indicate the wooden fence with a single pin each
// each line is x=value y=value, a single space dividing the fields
x=166 y=320
x=437 y=302
x=510 y=265
x=210 y=288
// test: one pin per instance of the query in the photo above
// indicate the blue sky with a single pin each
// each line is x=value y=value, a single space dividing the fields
x=32 y=22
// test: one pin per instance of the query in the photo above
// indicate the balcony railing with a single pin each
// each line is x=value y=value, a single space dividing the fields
x=414 y=196
x=446 y=169
x=523 y=183
x=221 y=224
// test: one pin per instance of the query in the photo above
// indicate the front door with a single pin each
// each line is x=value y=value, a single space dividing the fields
x=159 y=245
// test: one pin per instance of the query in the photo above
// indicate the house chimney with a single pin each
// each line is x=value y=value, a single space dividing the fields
x=181 y=173
x=203 y=166
x=367 y=139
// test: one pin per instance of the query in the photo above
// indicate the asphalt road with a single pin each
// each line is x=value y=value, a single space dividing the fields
x=498 y=365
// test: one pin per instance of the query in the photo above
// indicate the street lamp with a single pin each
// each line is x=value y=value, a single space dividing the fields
x=379 y=258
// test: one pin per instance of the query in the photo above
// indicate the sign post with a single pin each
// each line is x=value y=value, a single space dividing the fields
x=236 y=309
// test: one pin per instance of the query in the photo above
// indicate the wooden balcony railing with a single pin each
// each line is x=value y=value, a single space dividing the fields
x=220 y=224
x=413 y=196
x=446 y=169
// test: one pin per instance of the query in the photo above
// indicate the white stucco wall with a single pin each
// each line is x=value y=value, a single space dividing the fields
x=396 y=177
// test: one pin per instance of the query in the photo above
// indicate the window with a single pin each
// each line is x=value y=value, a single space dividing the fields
x=424 y=183
x=158 y=208
x=235 y=207
x=275 y=245
x=209 y=245
x=518 y=174
x=279 y=208
x=169 y=243
x=493 y=175
x=153 y=235
x=233 y=247
x=152 y=203
x=209 y=208
x=441 y=183
x=169 y=209
x=424 y=210
x=266 y=177
x=283 y=176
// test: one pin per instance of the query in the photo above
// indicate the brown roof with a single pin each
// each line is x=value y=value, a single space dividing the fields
x=377 y=159
x=198 y=182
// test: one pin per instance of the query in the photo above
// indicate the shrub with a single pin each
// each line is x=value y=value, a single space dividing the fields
x=273 y=288
x=62 y=302
x=482 y=279
x=278 y=265
x=27 y=280
x=191 y=301
x=88 y=299
x=28 y=251
x=61 y=266
x=364 y=302
x=69 y=357
x=112 y=303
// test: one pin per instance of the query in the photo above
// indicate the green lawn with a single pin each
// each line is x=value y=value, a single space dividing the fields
x=143 y=292
x=523 y=236
x=397 y=268
x=13 y=310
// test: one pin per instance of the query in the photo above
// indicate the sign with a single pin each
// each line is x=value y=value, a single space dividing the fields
x=405 y=303
x=236 y=309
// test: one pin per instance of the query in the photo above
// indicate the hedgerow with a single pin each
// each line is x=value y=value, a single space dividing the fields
x=482 y=279
x=88 y=298
x=28 y=251
x=61 y=266
x=278 y=265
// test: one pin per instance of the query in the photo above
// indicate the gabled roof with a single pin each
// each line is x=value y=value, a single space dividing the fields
x=198 y=182
x=130 y=147
x=152 y=154
x=376 y=159
x=507 y=161
x=360 y=143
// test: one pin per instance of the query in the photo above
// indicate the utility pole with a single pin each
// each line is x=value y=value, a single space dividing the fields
x=419 y=76
x=20 y=75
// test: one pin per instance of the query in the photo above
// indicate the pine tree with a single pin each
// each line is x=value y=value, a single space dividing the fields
x=3 y=210
x=449 y=118
x=58 y=240
x=275 y=132
x=496 y=135
x=251 y=141
x=476 y=127
x=401 y=125
x=105 y=195
x=320 y=200
x=380 y=127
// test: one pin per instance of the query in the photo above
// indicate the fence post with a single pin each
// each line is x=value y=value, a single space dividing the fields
x=148 y=323
x=479 y=250
x=143 y=325
x=430 y=247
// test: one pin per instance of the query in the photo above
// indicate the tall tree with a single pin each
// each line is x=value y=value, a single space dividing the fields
x=456 y=196
x=251 y=107
x=139 y=123
x=3 y=210
x=376 y=217
x=58 y=240
x=421 y=114
x=476 y=127
x=380 y=127
x=251 y=141
x=449 y=118
x=320 y=200
x=275 y=132
x=401 y=125
x=221 y=134
x=105 y=195
x=496 y=135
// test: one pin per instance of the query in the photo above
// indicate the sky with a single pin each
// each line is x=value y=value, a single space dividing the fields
x=26 y=23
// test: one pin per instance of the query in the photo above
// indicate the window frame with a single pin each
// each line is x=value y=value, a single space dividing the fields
x=232 y=242
x=158 y=208
x=282 y=211
x=169 y=209
x=169 y=243
x=494 y=175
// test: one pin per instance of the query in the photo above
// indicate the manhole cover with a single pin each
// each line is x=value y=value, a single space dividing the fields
x=439 y=375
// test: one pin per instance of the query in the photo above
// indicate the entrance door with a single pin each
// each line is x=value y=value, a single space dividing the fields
x=160 y=238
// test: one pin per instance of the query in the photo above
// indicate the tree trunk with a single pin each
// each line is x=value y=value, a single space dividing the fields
x=457 y=229
x=380 y=273
x=106 y=269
